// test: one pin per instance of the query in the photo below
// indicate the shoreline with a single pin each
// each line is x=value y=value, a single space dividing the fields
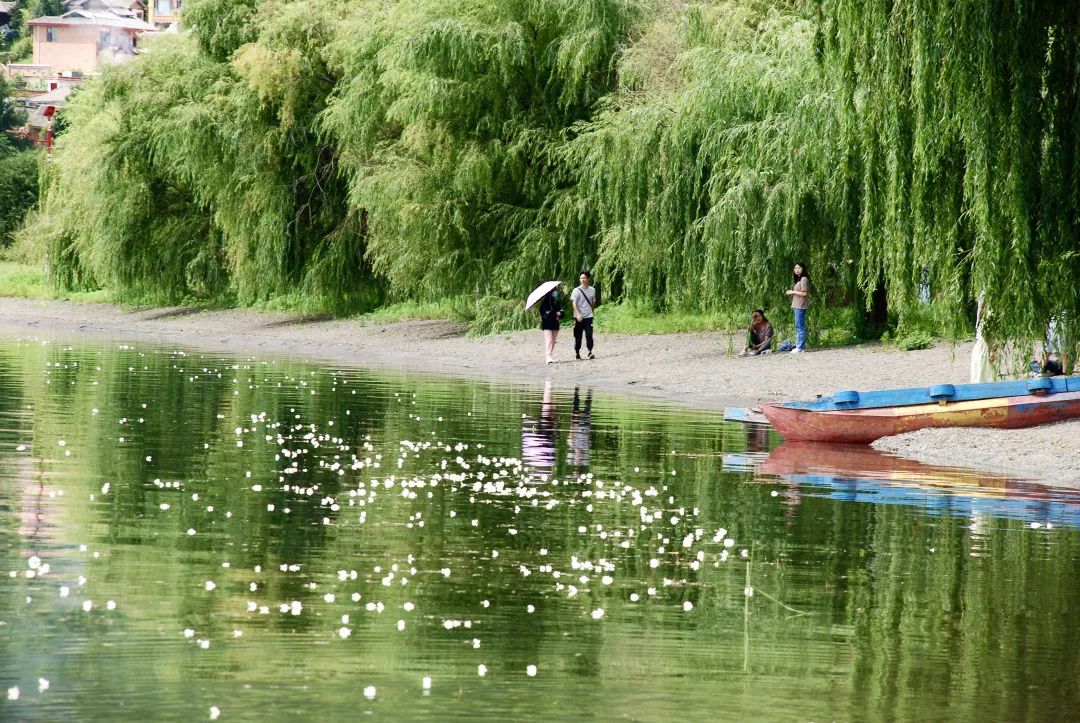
x=700 y=370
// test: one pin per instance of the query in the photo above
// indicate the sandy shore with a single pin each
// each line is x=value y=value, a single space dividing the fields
x=1050 y=452
x=695 y=369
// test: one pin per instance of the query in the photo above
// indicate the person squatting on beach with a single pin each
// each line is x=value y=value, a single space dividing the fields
x=1054 y=360
x=760 y=335
x=800 y=300
x=583 y=299
x=550 y=316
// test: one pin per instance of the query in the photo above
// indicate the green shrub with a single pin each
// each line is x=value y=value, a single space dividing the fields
x=496 y=314
x=915 y=340
x=18 y=189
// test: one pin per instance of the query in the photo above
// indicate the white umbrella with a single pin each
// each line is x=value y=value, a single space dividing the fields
x=540 y=292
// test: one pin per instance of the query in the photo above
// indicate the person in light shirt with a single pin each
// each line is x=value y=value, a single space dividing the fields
x=583 y=299
x=800 y=300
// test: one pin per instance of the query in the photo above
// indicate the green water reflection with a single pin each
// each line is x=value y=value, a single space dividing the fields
x=183 y=535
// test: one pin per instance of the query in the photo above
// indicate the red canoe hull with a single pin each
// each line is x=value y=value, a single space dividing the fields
x=862 y=426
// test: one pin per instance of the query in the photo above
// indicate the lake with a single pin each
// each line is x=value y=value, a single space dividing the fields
x=189 y=536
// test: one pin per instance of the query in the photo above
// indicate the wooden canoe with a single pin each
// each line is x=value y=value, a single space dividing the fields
x=861 y=417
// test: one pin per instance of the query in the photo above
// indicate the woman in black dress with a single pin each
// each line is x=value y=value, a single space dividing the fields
x=550 y=315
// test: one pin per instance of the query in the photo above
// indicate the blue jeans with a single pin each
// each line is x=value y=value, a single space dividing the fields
x=800 y=328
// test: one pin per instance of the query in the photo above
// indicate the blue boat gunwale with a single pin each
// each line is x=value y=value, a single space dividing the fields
x=912 y=396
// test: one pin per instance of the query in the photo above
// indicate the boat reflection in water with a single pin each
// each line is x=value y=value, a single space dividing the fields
x=857 y=473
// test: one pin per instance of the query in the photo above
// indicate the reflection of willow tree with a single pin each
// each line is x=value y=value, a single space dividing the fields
x=982 y=622
x=921 y=621
x=12 y=408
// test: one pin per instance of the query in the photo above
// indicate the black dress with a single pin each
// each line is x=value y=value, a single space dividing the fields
x=550 y=311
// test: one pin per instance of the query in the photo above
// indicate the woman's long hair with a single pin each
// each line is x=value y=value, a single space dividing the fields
x=796 y=278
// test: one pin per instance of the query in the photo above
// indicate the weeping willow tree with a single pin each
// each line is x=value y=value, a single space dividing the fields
x=448 y=124
x=718 y=164
x=307 y=144
x=355 y=150
x=200 y=169
x=966 y=117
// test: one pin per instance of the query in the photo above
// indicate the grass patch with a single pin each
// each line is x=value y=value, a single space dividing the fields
x=27 y=281
x=827 y=327
x=23 y=281
x=915 y=340
x=631 y=318
x=458 y=308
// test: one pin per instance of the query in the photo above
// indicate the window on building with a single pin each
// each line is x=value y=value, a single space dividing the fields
x=163 y=7
x=106 y=37
x=51 y=34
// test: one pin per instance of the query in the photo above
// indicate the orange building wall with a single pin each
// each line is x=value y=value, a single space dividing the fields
x=79 y=47
x=75 y=48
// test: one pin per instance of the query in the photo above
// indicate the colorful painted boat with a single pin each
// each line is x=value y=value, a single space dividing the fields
x=861 y=417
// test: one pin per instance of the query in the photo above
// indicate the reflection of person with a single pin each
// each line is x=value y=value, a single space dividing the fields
x=580 y=429
x=760 y=335
x=550 y=316
x=757 y=438
x=538 y=437
x=800 y=301
x=583 y=299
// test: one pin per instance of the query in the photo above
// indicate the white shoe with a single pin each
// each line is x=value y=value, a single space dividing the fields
x=796 y=350
x=550 y=360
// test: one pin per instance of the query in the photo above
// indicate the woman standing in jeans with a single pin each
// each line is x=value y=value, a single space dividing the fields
x=800 y=300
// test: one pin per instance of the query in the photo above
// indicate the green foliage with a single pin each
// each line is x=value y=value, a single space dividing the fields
x=639 y=318
x=18 y=189
x=965 y=117
x=714 y=175
x=350 y=154
x=18 y=171
x=448 y=124
x=10 y=116
x=22 y=281
x=221 y=27
x=915 y=340
x=18 y=44
x=185 y=176
x=458 y=308
x=495 y=314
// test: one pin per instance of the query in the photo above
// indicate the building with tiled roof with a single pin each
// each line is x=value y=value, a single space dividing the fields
x=80 y=41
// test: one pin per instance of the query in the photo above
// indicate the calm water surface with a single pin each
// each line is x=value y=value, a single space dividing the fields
x=186 y=536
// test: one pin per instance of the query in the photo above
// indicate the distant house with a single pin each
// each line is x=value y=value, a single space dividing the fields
x=123 y=8
x=81 y=41
x=165 y=14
